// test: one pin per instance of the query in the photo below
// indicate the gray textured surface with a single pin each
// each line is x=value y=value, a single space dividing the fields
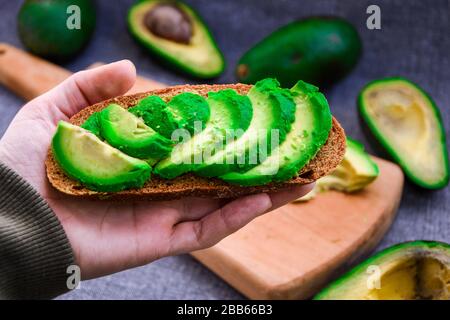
x=414 y=42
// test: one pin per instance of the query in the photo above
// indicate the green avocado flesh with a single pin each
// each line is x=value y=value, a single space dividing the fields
x=273 y=113
x=128 y=133
x=153 y=110
x=186 y=110
x=308 y=134
x=190 y=110
x=356 y=171
x=407 y=123
x=266 y=135
x=229 y=112
x=174 y=32
x=97 y=165
x=318 y=50
x=418 y=270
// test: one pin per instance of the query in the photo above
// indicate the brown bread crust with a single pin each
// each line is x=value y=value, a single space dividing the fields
x=326 y=160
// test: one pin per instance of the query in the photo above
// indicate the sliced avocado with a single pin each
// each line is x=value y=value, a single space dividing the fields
x=318 y=50
x=273 y=113
x=153 y=110
x=176 y=34
x=182 y=112
x=307 y=135
x=407 y=271
x=126 y=132
x=97 y=165
x=190 y=111
x=92 y=124
x=229 y=112
x=355 y=172
x=407 y=123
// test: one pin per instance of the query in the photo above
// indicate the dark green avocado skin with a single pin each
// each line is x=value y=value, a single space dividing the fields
x=317 y=50
x=419 y=245
x=379 y=141
x=172 y=62
x=42 y=27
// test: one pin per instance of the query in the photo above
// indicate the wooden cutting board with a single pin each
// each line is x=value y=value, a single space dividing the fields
x=289 y=253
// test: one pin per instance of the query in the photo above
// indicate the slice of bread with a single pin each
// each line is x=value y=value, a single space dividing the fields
x=326 y=160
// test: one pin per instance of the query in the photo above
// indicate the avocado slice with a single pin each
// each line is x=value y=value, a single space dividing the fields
x=126 y=132
x=307 y=135
x=97 y=165
x=407 y=123
x=190 y=111
x=356 y=171
x=183 y=111
x=176 y=34
x=92 y=124
x=153 y=110
x=273 y=114
x=229 y=111
x=411 y=270
x=318 y=50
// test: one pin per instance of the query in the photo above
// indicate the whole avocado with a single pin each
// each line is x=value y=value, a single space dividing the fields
x=46 y=27
x=318 y=50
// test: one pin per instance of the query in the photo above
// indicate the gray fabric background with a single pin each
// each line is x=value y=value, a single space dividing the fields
x=414 y=42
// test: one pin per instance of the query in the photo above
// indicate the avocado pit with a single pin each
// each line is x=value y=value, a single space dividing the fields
x=168 y=21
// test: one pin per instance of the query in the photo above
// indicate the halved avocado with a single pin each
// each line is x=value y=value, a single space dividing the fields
x=97 y=165
x=307 y=135
x=407 y=271
x=407 y=123
x=229 y=112
x=126 y=132
x=273 y=114
x=175 y=33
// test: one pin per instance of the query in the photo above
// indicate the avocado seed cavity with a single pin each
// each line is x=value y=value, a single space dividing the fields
x=169 y=22
x=423 y=277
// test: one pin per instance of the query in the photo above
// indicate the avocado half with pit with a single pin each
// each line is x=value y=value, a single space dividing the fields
x=407 y=123
x=97 y=165
x=176 y=34
x=407 y=271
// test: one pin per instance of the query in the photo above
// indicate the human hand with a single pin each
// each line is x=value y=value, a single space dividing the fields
x=108 y=237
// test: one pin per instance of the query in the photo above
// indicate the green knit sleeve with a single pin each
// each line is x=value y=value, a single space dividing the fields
x=34 y=250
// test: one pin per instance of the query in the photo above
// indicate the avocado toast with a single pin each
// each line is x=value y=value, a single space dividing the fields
x=190 y=184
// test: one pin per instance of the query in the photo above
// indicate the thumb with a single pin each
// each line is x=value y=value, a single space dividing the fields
x=88 y=87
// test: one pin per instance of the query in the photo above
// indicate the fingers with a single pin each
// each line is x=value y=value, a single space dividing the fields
x=283 y=197
x=88 y=87
x=195 y=235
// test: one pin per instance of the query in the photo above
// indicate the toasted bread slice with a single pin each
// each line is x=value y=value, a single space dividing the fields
x=326 y=160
